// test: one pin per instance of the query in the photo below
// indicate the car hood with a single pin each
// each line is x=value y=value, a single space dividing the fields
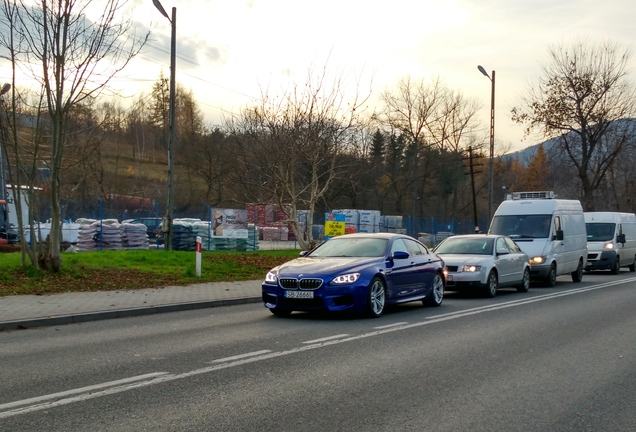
x=460 y=260
x=534 y=247
x=323 y=266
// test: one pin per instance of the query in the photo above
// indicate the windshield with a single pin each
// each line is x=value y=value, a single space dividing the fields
x=351 y=247
x=600 y=231
x=522 y=226
x=463 y=246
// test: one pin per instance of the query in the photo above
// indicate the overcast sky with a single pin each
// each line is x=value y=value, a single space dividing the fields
x=228 y=50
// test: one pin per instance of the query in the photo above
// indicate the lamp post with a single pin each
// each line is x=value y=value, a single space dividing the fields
x=171 y=127
x=492 y=139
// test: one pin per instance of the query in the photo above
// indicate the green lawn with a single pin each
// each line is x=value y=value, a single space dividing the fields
x=134 y=269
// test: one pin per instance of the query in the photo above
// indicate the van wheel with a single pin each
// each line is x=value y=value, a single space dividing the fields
x=551 y=279
x=632 y=266
x=617 y=266
x=577 y=275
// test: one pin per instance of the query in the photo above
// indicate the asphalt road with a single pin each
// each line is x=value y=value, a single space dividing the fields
x=552 y=359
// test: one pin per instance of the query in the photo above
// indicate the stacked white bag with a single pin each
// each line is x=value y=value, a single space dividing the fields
x=134 y=236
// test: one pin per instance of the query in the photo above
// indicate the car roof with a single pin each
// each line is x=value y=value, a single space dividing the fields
x=384 y=235
x=480 y=236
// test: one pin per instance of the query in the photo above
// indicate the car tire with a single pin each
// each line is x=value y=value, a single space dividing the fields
x=376 y=298
x=437 y=292
x=632 y=266
x=577 y=275
x=617 y=266
x=551 y=279
x=492 y=283
x=280 y=312
x=525 y=282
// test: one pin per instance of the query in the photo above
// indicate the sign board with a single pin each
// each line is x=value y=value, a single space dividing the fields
x=229 y=223
x=334 y=225
x=12 y=208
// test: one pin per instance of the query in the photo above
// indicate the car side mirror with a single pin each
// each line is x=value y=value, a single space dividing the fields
x=502 y=252
x=559 y=235
x=621 y=238
x=400 y=255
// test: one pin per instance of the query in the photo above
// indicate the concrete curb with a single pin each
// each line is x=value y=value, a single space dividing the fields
x=122 y=313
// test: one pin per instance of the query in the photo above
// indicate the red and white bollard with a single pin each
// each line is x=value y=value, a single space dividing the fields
x=199 y=249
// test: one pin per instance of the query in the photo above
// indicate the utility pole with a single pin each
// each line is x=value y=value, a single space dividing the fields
x=472 y=172
x=169 y=219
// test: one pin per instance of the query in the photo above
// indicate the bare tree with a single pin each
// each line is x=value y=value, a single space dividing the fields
x=410 y=107
x=430 y=114
x=73 y=58
x=295 y=143
x=430 y=120
x=582 y=94
x=22 y=148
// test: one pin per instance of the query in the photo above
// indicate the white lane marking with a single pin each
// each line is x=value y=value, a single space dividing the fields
x=240 y=356
x=389 y=325
x=87 y=389
x=165 y=377
x=328 y=338
x=524 y=301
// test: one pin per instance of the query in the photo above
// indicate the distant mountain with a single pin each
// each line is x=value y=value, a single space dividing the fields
x=526 y=155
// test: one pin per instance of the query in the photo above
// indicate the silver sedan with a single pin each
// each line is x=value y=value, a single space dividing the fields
x=484 y=263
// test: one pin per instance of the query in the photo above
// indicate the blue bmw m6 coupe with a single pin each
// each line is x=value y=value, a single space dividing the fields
x=356 y=272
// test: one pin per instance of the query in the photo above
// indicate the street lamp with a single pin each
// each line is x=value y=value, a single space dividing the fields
x=171 y=127
x=492 y=139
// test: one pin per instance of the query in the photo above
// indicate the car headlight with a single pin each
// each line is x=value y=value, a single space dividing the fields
x=471 y=268
x=345 y=279
x=608 y=246
x=272 y=276
x=537 y=260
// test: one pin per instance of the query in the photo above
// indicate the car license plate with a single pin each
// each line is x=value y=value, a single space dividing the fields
x=299 y=294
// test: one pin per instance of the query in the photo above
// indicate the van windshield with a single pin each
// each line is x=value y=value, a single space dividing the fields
x=522 y=226
x=600 y=231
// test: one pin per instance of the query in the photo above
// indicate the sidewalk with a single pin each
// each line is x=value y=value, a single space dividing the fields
x=25 y=311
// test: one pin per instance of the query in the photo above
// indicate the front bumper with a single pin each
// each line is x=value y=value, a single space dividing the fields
x=539 y=271
x=601 y=261
x=327 y=297
x=465 y=280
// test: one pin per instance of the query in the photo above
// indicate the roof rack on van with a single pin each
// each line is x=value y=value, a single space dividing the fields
x=532 y=195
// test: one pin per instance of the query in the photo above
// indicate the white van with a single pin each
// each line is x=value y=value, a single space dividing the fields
x=550 y=231
x=611 y=241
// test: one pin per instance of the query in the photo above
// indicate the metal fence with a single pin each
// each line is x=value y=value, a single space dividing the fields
x=429 y=228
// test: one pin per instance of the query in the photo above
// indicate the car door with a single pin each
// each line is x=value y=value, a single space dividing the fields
x=504 y=261
x=518 y=258
x=425 y=264
x=403 y=280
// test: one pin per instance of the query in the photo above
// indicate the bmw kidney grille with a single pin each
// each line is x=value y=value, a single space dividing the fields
x=304 y=284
